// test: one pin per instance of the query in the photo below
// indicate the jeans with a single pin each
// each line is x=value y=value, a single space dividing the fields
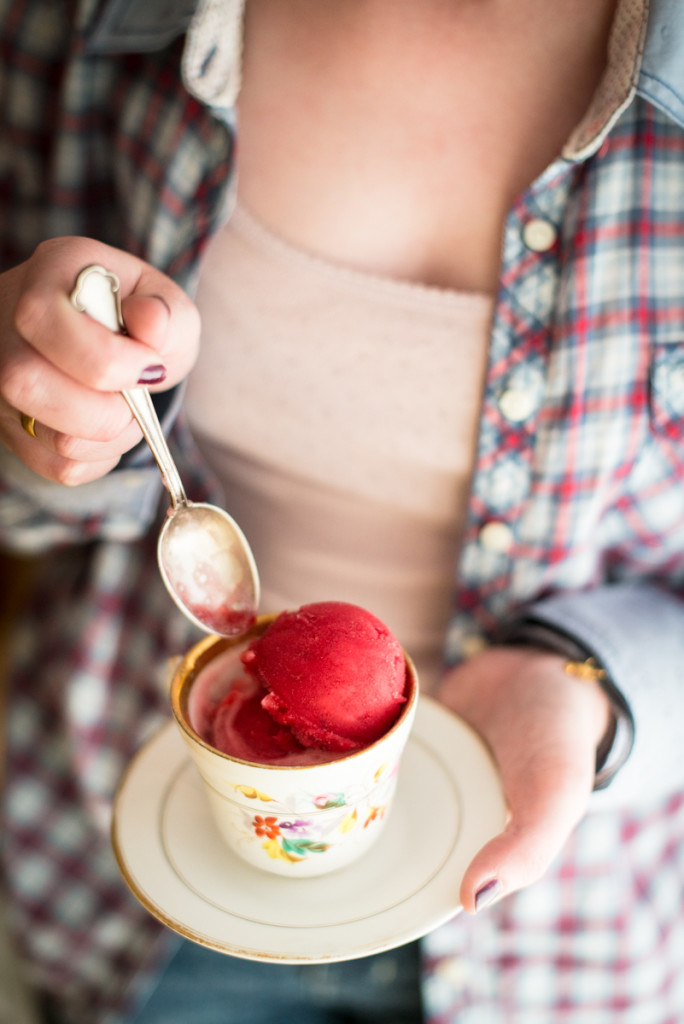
x=204 y=987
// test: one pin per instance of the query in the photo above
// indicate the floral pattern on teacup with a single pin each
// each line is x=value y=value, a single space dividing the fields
x=295 y=840
x=303 y=802
x=301 y=824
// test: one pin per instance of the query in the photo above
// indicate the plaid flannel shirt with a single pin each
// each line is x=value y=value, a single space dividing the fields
x=576 y=515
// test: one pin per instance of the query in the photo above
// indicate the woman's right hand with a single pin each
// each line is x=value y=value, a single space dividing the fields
x=65 y=370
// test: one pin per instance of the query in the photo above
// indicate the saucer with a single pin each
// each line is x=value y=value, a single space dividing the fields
x=448 y=803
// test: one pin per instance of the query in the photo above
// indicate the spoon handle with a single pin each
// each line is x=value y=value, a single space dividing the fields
x=97 y=293
x=140 y=403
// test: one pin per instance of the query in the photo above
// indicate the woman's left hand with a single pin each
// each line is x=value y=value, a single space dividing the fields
x=543 y=727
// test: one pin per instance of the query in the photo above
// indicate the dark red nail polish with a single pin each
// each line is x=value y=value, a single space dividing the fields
x=487 y=894
x=152 y=375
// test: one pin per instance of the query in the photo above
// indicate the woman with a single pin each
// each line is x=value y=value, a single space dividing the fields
x=439 y=343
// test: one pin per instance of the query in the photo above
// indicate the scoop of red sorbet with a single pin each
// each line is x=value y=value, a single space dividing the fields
x=335 y=675
x=241 y=727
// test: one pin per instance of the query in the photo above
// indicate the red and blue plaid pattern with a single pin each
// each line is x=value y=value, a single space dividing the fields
x=107 y=147
x=594 y=329
x=597 y=941
x=587 y=483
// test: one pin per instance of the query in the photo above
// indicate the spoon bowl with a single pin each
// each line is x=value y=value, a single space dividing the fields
x=208 y=568
x=204 y=558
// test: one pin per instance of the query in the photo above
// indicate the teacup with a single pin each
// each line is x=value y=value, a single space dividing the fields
x=295 y=820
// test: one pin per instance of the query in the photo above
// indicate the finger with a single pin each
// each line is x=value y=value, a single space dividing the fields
x=72 y=474
x=544 y=808
x=78 y=449
x=161 y=315
x=39 y=389
x=147 y=316
x=160 y=318
x=82 y=348
x=59 y=469
x=62 y=457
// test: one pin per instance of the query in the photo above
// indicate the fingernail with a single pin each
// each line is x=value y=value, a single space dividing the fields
x=164 y=303
x=152 y=375
x=487 y=894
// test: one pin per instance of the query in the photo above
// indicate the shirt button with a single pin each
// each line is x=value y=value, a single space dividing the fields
x=496 y=536
x=506 y=484
x=668 y=380
x=539 y=235
x=676 y=382
x=517 y=404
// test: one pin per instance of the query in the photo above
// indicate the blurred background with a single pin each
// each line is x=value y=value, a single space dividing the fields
x=15 y=581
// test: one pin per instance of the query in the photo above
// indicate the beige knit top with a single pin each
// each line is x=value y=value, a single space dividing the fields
x=340 y=411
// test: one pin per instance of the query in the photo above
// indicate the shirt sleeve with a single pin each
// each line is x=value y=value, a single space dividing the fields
x=37 y=515
x=636 y=632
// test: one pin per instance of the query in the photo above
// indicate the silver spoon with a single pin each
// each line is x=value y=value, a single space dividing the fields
x=204 y=557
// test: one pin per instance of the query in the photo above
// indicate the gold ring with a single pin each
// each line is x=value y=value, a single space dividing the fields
x=29 y=424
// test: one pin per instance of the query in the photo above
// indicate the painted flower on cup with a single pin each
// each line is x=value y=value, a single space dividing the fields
x=266 y=826
x=304 y=824
x=296 y=827
x=326 y=800
x=375 y=814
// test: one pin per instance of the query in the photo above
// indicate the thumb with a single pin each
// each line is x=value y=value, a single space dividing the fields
x=170 y=328
x=543 y=810
x=147 y=319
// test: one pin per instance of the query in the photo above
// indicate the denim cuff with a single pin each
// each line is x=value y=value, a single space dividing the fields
x=617 y=745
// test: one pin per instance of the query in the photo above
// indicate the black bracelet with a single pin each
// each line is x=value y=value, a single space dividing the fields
x=616 y=745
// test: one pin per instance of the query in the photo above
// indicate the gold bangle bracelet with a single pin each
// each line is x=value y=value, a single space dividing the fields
x=588 y=670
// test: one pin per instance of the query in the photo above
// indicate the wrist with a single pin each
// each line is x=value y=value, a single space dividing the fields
x=617 y=735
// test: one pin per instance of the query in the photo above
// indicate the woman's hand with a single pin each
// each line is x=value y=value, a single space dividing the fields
x=543 y=728
x=65 y=370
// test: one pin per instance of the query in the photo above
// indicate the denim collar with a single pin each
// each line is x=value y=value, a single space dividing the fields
x=661 y=76
x=647 y=56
